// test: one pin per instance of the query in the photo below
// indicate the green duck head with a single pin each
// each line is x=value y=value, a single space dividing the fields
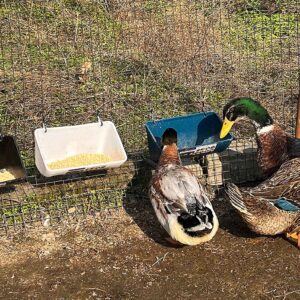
x=244 y=108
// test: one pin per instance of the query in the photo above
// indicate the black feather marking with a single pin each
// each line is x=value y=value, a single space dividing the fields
x=205 y=215
x=167 y=210
x=189 y=221
x=293 y=146
x=192 y=208
x=198 y=233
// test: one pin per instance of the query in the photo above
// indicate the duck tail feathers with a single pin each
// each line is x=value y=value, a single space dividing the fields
x=198 y=224
x=235 y=197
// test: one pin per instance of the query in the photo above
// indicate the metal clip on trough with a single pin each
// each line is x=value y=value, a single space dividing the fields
x=99 y=119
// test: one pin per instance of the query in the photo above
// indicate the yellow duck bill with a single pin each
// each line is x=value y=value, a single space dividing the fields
x=226 y=127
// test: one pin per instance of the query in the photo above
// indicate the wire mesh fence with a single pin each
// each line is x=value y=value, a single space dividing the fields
x=61 y=61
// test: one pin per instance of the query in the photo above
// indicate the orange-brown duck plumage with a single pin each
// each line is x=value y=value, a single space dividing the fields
x=272 y=149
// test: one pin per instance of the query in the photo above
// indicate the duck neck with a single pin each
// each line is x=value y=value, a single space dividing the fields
x=169 y=155
x=262 y=122
x=272 y=148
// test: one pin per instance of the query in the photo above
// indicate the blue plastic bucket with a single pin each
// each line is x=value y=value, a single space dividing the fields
x=196 y=134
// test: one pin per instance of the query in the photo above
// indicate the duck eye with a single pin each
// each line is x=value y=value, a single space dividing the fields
x=231 y=114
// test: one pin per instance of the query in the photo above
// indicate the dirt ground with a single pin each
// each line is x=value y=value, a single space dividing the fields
x=123 y=255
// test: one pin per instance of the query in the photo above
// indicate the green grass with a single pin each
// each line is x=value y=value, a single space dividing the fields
x=265 y=6
x=50 y=205
x=5 y=11
x=27 y=158
x=44 y=14
x=156 y=7
x=2 y=113
x=214 y=98
x=256 y=33
x=72 y=32
x=64 y=20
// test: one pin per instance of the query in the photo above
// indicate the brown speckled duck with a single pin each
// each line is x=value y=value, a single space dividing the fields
x=270 y=210
x=181 y=204
x=275 y=146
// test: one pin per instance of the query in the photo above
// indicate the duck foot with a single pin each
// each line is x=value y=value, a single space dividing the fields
x=173 y=242
x=294 y=236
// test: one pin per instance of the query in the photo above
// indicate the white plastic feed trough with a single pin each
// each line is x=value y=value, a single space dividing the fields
x=60 y=143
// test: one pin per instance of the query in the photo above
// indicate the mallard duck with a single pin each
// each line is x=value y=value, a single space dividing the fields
x=269 y=211
x=181 y=204
x=275 y=146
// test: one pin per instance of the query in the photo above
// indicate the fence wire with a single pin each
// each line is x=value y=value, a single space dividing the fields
x=63 y=60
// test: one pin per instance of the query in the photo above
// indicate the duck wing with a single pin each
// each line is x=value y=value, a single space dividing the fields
x=181 y=191
x=289 y=191
x=263 y=215
x=243 y=202
x=287 y=173
x=255 y=204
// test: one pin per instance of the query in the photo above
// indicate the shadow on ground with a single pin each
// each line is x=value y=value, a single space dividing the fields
x=138 y=206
